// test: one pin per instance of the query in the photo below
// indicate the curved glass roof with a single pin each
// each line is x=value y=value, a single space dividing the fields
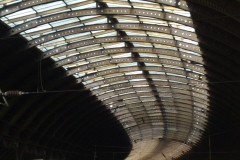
x=140 y=58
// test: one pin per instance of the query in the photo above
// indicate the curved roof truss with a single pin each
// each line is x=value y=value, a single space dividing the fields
x=140 y=58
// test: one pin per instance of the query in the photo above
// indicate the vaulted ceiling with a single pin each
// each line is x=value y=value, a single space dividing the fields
x=155 y=79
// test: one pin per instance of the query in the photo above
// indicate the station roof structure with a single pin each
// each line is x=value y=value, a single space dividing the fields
x=127 y=79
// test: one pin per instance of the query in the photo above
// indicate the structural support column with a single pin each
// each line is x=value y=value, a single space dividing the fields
x=19 y=148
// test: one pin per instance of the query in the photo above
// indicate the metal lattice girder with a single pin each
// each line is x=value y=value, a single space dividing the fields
x=184 y=55
x=147 y=27
x=22 y=5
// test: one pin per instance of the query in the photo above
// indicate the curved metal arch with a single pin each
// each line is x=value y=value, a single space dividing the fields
x=160 y=89
x=179 y=126
x=225 y=41
x=160 y=29
x=146 y=50
x=164 y=129
x=160 y=61
x=192 y=97
x=145 y=90
x=142 y=59
x=139 y=113
x=224 y=72
x=215 y=58
x=22 y=5
x=166 y=109
x=180 y=136
x=188 y=37
x=177 y=120
x=104 y=11
x=126 y=70
x=164 y=103
x=157 y=51
x=163 y=77
x=161 y=118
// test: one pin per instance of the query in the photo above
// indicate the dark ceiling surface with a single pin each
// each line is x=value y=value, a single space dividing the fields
x=63 y=124
x=75 y=125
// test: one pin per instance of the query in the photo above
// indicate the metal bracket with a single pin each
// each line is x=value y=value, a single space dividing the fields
x=4 y=99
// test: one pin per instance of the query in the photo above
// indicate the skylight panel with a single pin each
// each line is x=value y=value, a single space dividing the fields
x=137 y=80
x=89 y=48
x=149 y=6
x=97 y=31
x=70 y=2
x=9 y=2
x=169 y=57
x=164 y=46
x=39 y=28
x=127 y=21
x=182 y=13
x=87 y=17
x=18 y=23
x=153 y=64
x=114 y=75
x=68 y=53
x=170 y=66
x=21 y=13
x=142 y=1
x=86 y=72
x=88 y=6
x=78 y=63
x=112 y=33
x=118 y=82
x=63 y=22
x=162 y=35
x=158 y=79
x=102 y=58
x=4 y=19
x=153 y=21
x=53 y=42
x=148 y=55
x=68 y=26
x=103 y=68
x=155 y=72
x=100 y=21
x=77 y=36
x=183 y=27
x=118 y=5
x=136 y=33
x=33 y=18
x=113 y=45
x=139 y=44
x=127 y=64
x=179 y=75
x=187 y=51
x=49 y=6
x=121 y=55
x=134 y=72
